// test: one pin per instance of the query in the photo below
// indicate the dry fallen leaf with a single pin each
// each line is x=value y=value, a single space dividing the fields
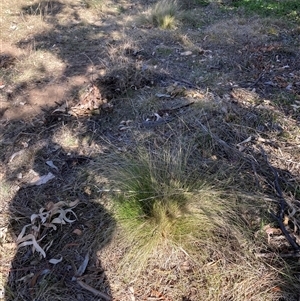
x=50 y=225
x=77 y=232
x=48 y=216
x=51 y=164
x=62 y=109
x=43 y=216
x=56 y=261
x=62 y=219
x=186 y=53
x=42 y=179
x=270 y=231
x=241 y=146
x=29 y=240
x=15 y=155
x=26 y=277
x=48 y=245
x=83 y=266
x=38 y=275
x=160 y=95
x=25 y=144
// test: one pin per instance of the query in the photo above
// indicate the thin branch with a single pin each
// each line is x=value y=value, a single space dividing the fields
x=94 y=291
x=257 y=80
x=282 y=205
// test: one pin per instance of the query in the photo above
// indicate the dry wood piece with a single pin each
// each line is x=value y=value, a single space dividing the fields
x=163 y=116
x=282 y=206
x=94 y=291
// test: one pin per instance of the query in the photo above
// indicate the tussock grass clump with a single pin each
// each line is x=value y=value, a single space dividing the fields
x=164 y=199
x=156 y=194
x=174 y=217
x=164 y=14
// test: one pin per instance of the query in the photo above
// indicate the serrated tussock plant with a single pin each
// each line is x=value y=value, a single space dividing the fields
x=164 y=14
x=157 y=202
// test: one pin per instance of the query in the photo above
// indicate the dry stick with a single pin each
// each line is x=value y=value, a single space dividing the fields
x=215 y=137
x=178 y=108
x=257 y=80
x=282 y=205
x=191 y=85
x=276 y=183
x=225 y=144
x=94 y=291
x=245 y=157
x=271 y=255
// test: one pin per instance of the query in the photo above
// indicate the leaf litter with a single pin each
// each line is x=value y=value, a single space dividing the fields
x=40 y=180
x=48 y=216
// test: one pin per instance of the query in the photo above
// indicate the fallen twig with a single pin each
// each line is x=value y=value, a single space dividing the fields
x=282 y=205
x=215 y=137
x=186 y=82
x=150 y=123
x=282 y=202
x=177 y=108
x=83 y=266
x=272 y=255
x=257 y=80
x=93 y=290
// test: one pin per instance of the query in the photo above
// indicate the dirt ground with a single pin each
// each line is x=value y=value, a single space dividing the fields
x=79 y=82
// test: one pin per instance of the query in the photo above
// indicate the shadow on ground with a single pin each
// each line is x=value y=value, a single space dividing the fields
x=33 y=277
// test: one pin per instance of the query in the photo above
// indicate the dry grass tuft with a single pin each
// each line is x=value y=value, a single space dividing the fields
x=173 y=222
x=38 y=66
x=178 y=217
x=164 y=14
x=164 y=206
x=67 y=139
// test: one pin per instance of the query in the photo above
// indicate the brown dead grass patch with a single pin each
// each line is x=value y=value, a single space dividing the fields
x=237 y=31
x=17 y=24
x=38 y=66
